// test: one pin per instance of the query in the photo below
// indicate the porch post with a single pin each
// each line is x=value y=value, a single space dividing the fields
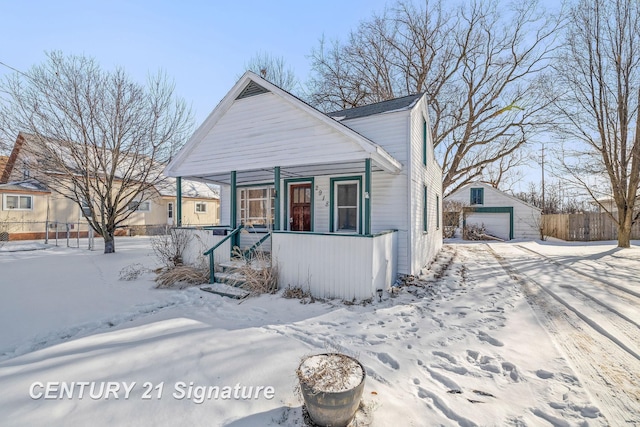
x=179 y=201
x=276 y=183
x=367 y=196
x=233 y=207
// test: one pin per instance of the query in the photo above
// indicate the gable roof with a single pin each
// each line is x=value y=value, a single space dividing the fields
x=251 y=84
x=29 y=185
x=166 y=187
x=392 y=105
x=490 y=188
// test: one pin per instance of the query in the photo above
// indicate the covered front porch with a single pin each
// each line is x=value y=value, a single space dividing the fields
x=316 y=223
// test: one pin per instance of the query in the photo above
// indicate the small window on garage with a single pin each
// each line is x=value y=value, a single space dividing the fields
x=477 y=196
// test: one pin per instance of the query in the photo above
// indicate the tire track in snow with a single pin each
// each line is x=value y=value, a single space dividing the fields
x=610 y=322
x=610 y=373
x=595 y=279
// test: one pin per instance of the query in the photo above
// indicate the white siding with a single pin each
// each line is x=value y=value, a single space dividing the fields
x=225 y=204
x=526 y=218
x=264 y=130
x=389 y=192
x=202 y=241
x=424 y=246
x=335 y=266
x=387 y=130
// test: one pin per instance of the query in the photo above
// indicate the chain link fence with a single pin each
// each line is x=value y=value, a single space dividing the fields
x=70 y=234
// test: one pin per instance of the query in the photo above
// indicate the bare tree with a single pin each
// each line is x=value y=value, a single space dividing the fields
x=275 y=70
x=95 y=136
x=478 y=65
x=598 y=78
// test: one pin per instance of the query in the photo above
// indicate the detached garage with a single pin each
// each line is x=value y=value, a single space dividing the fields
x=502 y=215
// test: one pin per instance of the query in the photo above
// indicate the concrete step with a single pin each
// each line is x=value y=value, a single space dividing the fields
x=230 y=278
x=235 y=265
x=225 y=290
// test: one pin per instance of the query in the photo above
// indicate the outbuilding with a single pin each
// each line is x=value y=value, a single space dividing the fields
x=500 y=214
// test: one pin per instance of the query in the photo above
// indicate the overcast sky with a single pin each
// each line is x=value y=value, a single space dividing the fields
x=203 y=45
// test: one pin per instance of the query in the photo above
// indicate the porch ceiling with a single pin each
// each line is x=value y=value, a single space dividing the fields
x=267 y=175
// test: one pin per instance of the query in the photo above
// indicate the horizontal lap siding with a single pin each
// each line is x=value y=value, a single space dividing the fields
x=526 y=222
x=249 y=237
x=389 y=192
x=322 y=207
x=526 y=219
x=425 y=246
x=264 y=131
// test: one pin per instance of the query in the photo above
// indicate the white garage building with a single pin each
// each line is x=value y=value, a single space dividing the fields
x=503 y=216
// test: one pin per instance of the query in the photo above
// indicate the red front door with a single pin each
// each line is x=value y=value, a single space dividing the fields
x=300 y=207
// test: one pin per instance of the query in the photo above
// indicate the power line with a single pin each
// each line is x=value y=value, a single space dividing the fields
x=13 y=69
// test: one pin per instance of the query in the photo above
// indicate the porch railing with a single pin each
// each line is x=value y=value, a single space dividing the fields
x=247 y=253
x=212 y=278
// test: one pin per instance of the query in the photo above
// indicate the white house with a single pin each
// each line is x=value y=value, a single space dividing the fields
x=345 y=201
x=503 y=216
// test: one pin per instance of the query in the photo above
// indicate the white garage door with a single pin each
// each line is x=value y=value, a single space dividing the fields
x=495 y=224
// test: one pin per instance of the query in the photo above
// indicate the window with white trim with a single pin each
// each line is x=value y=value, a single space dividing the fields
x=85 y=207
x=18 y=202
x=139 y=206
x=347 y=206
x=257 y=206
x=201 y=207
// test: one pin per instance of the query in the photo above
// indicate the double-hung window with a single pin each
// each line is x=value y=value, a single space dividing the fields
x=477 y=196
x=346 y=214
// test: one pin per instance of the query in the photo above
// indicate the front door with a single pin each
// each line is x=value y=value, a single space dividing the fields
x=300 y=207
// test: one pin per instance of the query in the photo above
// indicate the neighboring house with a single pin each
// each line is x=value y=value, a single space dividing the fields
x=352 y=198
x=28 y=207
x=503 y=216
x=3 y=164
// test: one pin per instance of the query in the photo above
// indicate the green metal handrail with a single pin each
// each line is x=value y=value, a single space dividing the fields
x=255 y=246
x=212 y=278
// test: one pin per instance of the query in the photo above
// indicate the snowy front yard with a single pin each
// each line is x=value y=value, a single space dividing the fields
x=80 y=347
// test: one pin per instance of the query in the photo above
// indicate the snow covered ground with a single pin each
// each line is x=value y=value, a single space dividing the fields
x=519 y=333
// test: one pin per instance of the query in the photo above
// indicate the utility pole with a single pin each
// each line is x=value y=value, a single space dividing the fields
x=544 y=205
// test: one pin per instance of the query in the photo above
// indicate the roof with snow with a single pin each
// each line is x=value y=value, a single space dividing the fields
x=392 y=105
x=190 y=189
x=30 y=185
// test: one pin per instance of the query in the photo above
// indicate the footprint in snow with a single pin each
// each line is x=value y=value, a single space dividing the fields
x=446 y=356
x=388 y=360
x=511 y=369
x=483 y=336
x=545 y=375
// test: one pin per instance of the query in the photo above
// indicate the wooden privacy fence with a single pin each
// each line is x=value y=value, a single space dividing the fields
x=583 y=227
